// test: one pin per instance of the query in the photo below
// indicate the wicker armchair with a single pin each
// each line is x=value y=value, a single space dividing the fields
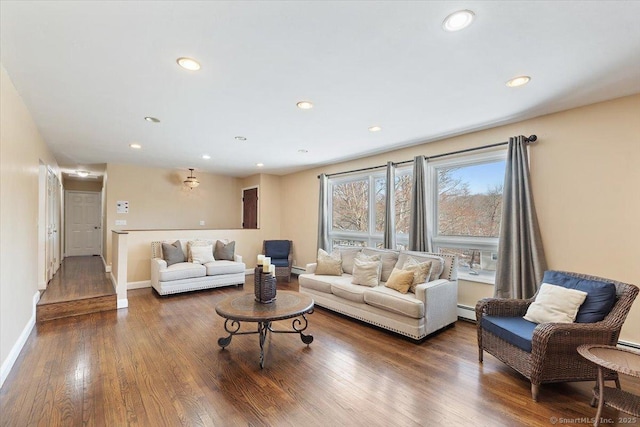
x=281 y=254
x=553 y=357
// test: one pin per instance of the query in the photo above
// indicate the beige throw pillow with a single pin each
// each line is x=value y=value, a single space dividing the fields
x=555 y=304
x=202 y=254
x=329 y=264
x=366 y=273
x=400 y=280
x=421 y=271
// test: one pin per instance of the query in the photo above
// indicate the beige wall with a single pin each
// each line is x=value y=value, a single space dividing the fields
x=159 y=200
x=77 y=185
x=586 y=184
x=21 y=150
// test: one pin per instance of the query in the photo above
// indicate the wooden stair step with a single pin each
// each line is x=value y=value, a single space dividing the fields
x=57 y=310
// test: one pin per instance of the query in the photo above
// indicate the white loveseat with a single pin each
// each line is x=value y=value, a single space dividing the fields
x=433 y=306
x=188 y=276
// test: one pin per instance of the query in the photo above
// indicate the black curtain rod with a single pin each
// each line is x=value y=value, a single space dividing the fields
x=531 y=138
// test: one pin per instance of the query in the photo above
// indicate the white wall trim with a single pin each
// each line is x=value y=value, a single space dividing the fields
x=107 y=268
x=248 y=271
x=8 y=363
x=629 y=344
x=123 y=303
x=466 y=312
x=139 y=285
x=113 y=280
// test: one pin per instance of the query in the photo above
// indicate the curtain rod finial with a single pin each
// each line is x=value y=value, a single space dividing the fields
x=532 y=138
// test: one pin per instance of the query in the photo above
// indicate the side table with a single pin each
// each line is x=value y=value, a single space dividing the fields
x=619 y=360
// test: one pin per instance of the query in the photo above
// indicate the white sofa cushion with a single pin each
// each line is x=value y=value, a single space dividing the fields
x=318 y=283
x=182 y=270
x=215 y=268
x=391 y=300
x=349 y=291
x=389 y=259
x=348 y=254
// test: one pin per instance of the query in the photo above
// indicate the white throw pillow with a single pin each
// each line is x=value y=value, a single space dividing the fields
x=202 y=254
x=366 y=273
x=555 y=304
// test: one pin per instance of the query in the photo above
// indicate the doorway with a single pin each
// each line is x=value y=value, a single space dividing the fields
x=250 y=207
x=82 y=223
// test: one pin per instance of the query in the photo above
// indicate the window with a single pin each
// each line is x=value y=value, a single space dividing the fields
x=358 y=208
x=467 y=211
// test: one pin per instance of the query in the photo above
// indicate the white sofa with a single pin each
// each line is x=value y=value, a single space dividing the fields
x=187 y=276
x=432 y=307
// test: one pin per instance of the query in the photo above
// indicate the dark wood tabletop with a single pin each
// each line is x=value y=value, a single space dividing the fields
x=245 y=308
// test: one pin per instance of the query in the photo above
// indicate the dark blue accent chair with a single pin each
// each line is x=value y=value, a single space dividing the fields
x=281 y=254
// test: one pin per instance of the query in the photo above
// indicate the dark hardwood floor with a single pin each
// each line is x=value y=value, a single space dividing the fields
x=157 y=363
x=79 y=287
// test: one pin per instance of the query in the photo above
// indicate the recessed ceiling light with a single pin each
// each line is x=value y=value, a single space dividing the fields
x=206 y=156
x=303 y=151
x=135 y=146
x=188 y=64
x=305 y=105
x=259 y=165
x=375 y=129
x=240 y=138
x=82 y=174
x=458 y=20
x=152 y=119
x=518 y=81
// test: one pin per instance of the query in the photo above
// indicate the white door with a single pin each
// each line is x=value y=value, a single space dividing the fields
x=82 y=214
x=52 y=203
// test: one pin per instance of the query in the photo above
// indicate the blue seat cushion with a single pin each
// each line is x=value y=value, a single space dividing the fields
x=601 y=296
x=277 y=249
x=280 y=262
x=514 y=330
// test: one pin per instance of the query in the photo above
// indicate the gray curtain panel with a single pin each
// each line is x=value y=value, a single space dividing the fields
x=323 y=214
x=521 y=261
x=418 y=227
x=390 y=208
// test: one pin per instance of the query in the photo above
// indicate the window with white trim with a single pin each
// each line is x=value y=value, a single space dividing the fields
x=467 y=208
x=357 y=208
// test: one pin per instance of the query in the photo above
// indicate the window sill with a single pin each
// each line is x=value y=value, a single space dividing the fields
x=478 y=279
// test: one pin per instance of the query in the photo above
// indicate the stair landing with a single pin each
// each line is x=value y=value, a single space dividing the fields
x=79 y=287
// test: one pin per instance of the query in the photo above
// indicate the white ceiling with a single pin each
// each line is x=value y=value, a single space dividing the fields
x=90 y=72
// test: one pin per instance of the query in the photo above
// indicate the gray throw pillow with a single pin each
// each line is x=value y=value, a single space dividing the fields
x=224 y=250
x=172 y=253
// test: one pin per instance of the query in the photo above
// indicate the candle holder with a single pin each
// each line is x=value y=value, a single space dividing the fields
x=264 y=286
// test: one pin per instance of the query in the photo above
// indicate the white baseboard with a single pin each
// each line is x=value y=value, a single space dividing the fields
x=123 y=303
x=248 y=271
x=114 y=282
x=7 y=364
x=107 y=268
x=466 y=312
x=139 y=285
x=629 y=344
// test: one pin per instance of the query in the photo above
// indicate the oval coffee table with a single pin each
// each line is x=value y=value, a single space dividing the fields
x=245 y=308
x=616 y=359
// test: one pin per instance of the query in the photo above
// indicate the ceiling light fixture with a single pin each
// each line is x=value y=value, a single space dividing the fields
x=518 y=81
x=191 y=181
x=206 y=156
x=303 y=151
x=375 y=129
x=259 y=165
x=188 y=63
x=240 y=138
x=135 y=146
x=305 y=105
x=82 y=174
x=152 y=119
x=458 y=20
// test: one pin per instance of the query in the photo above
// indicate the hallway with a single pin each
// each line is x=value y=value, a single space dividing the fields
x=79 y=287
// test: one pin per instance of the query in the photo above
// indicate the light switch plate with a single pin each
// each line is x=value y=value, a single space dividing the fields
x=121 y=222
x=201 y=222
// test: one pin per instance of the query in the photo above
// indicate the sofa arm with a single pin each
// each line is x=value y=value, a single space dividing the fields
x=157 y=264
x=440 y=298
x=237 y=258
x=311 y=268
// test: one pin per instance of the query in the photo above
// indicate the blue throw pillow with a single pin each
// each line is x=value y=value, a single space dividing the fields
x=601 y=296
